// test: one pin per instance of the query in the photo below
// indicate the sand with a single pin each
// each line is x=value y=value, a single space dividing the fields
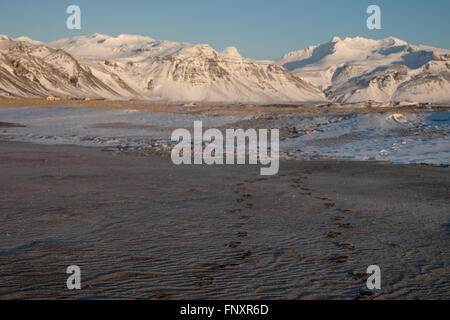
x=140 y=227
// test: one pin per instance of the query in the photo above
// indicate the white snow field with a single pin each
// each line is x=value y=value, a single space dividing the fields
x=408 y=137
x=97 y=126
x=395 y=137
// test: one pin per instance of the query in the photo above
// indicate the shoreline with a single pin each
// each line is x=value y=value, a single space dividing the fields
x=406 y=135
x=228 y=108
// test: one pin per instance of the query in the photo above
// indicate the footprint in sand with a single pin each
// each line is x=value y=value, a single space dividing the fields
x=206 y=281
x=240 y=200
x=330 y=205
x=338 y=218
x=242 y=234
x=234 y=244
x=217 y=267
x=339 y=259
x=234 y=210
x=332 y=235
x=347 y=246
x=244 y=255
x=345 y=211
x=297 y=183
x=257 y=180
x=307 y=193
x=346 y=226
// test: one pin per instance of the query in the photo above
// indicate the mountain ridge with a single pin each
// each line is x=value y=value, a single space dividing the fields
x=137 y=67
x=359 y=69
x=346 y=70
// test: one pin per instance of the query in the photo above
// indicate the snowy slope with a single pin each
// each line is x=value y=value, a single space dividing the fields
x=133 y=47
x=397 y=137
x=358 y=69
x=29 y=69
x=132 y=66
x=407 y=137
x=175 y=71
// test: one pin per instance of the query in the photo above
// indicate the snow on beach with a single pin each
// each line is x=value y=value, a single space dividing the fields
x=96 y=126
x=395 y=137
x=408 y=137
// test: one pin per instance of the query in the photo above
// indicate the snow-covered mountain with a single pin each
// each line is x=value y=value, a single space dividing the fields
x=30 y=69
x=358 y=69
x=131 y=66
x=175 y=71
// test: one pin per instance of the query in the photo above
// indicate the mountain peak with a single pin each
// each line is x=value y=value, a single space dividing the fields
x=196 y=50
x=231 y=52
x=28 y=40
x=133 y=37
x=397 y=41
x=336 y=39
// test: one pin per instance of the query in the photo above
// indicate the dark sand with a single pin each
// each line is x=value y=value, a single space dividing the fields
x=140 y=227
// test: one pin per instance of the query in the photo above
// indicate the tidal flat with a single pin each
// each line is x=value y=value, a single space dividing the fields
x=140 y=227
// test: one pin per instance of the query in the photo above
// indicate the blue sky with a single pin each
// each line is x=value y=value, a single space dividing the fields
x=260 y=29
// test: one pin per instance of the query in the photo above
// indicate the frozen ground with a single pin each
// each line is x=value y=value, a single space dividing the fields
x=401 y=137
x=96 y=126
x=397 y=137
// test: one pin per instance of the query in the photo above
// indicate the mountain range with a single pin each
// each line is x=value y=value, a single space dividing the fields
x=136 y=67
